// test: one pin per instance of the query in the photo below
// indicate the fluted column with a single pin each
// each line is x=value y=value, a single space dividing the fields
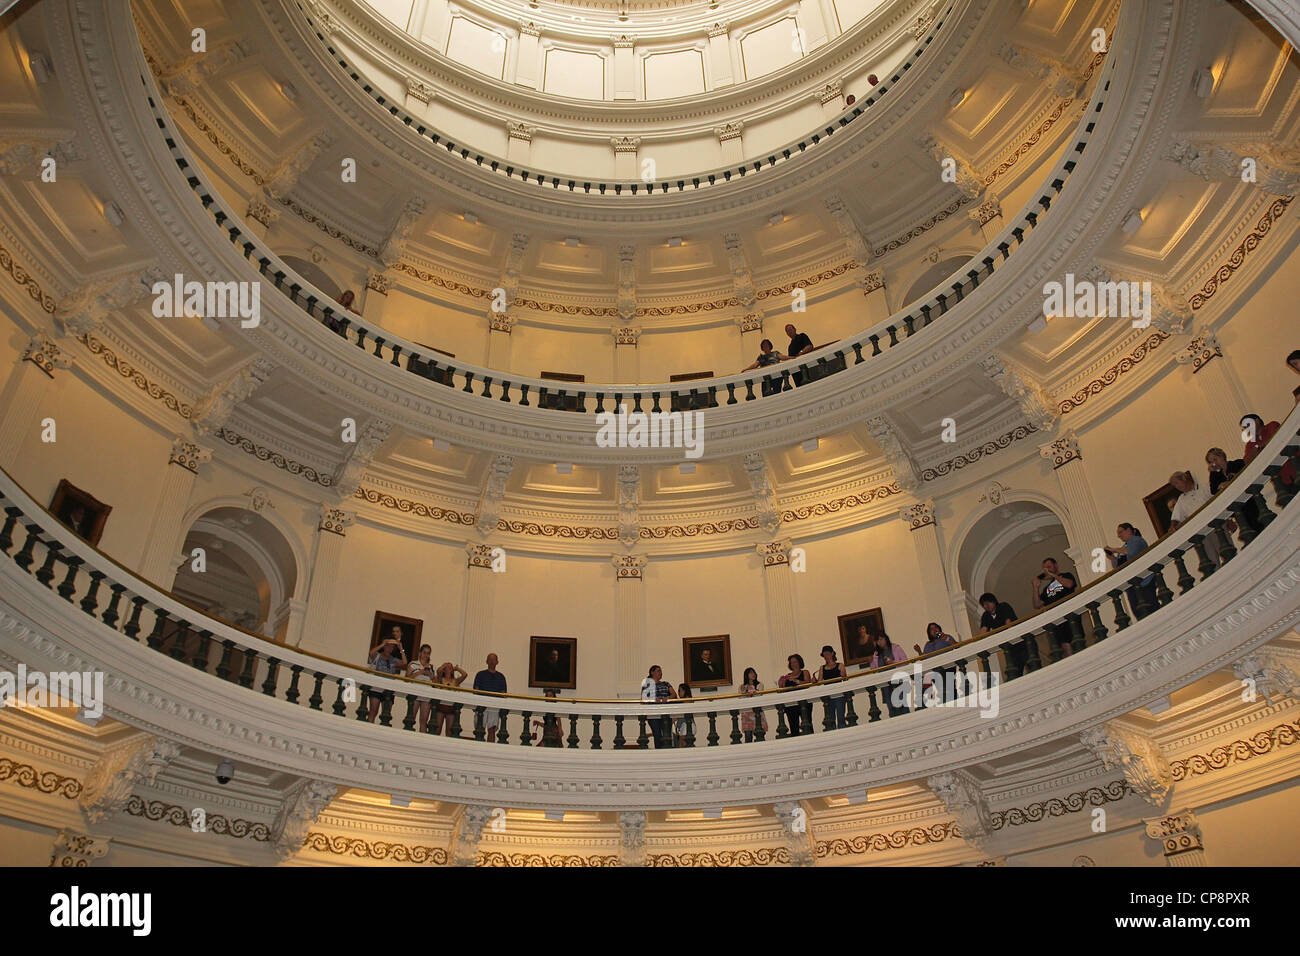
x=1218 y=382
x=162 y=546
x=778 y=593
x=1179 y=835
x=629 y=623
x=1086 y=530
x=319 y=615
x=988 y=216
x=499 y=326
x=919 y=518
x=751 y=334
x=27 y=388
x=373 y=300
x=627 y=366
x=480 y=598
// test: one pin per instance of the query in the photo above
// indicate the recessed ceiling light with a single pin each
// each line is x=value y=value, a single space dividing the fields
x=776 y=218
x=563 y=468
x=470 y=218
x=571 y=242
x=956 y=97
x=686 y=468
x=675 y=242
x=812 y=444
x=1132 y=222
x=441 y=444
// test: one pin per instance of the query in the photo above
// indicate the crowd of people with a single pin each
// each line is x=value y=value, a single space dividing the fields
x=1050 y=585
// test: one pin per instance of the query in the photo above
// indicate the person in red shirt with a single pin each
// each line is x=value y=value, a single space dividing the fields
x=1256 y=435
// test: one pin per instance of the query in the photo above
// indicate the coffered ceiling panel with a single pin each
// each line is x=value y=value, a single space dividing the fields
x=413 y=455
x=1171 y=215
x=75 y=213
x=563 y=260
x=19 y=94
x=670 y=483
x=263 y=96
x=1248 y=72
x=546 y=479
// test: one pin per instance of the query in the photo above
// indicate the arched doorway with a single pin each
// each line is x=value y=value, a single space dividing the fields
x=313 y=274
x=932 y=276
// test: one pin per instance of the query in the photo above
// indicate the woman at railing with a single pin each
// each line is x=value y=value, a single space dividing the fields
x=656 y=690
x=386 y=657
x=888 y=653
x=422 y=670
x=836 y=706
x=793 y=679
x=449 y=675
x=750 y=719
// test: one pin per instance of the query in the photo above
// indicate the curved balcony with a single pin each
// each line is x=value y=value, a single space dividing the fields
x=186 y=676
x=480 y=385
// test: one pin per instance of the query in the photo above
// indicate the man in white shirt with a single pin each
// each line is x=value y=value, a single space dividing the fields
x=1191 y=496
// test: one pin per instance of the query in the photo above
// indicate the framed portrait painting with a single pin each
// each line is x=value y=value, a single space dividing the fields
x=405 y=629
x=83 y=513
x=706 y=661
x=1160 y=508
x=553 y=662
x=858 y=635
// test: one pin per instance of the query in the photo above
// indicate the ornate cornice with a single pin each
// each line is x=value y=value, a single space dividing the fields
x=725 y=526
x=1112 y=374
x=1238 y=257
x=44 y=781
x=820 y=508
x=179 y=816
x=1220 y=758
x=975 y=454
x=374 y=849
x=418 y=508
x=498 y=858
x=581 y=532
x=21 y=276
x=262 y=453
x=763 y=856
x=128 y=371
x=923 y=228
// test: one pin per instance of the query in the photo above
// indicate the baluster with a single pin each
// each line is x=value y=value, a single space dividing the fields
x=986 y=670
x=1185 y=580
x=782 y=731
x=503 y=735
x=272 y=675
x=525 y=739
x=1262 y=512
x=655 y=407
x=487 y=387
x=1012 y=661
x=1206 y=565
x=690 y=729
x=573 y=731
x=850 y=715
x=735 y=727
x=1282 y=492
x=154 y=640
x=759 y=733
x=480 y=723
x=1163 y=594
x=46 y=573
x=1099 y=630
x=1032 y=661
x=379 y=350
x=292 y=694
x=315 y=700
x=873 y=712
x=642 y=740
x=1227 y=550
x=90 y=603
x=132 y=629
x=363 y=702
x=619 y=740
x=1246 y=527
x=523 y=394
x=69 y=585
x=223 y=665
x=25 y=556
x=200 y=661
x=1078 y=640
x=250 y=661
x=749 y=389
x=595 y=731
x=109 y=616
x=828 y=719
x=12 y=515
x=1122 y=620
x=455 y=719
x=182 y=635
x=731 y=393
x=408 y=722
x=469 y=383
x=386 y=708
x=339 y=708
x=505 y=391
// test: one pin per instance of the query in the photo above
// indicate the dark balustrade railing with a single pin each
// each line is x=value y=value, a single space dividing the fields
x=1104 y=610
x=825 y=362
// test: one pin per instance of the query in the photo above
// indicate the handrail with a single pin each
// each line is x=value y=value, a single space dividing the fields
x=714 y=177
x=697 y=394
x=173 y=628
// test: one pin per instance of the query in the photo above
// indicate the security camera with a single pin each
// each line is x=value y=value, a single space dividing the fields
x=225 y=772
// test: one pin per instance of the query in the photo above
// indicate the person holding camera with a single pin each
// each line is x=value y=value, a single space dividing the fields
x=450 y=675
x=656 y=690
x=421 y=669
x=1052 y=584
x=386 y=657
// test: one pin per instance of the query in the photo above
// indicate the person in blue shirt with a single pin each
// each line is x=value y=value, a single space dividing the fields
x=1142 y=596
x=492 y=680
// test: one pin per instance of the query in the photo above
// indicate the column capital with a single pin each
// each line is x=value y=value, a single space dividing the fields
x=501 y=322
x=522 y=131
x=625 y=144
x=301 y=807
x=872 y=281
x=120 y=769
x=418 y=89
x=77 y=849
x=965 y=800
x=1200 y=351
x=259 y=210
x=775 y=553
x=986 y=212
x=750 y=322
x=1139 y=758
x=918 y=515
x=43 y=352
x=1179 y=835
x=1062 y=450
x=479 y=555
x=379 y=281
x=720 y=28
x=189 y=454
x=335 y=520
x=628 y=567
x=732 y=129
x=529 y=28
x=626 y=334
x=624 y=41
x=831 y=91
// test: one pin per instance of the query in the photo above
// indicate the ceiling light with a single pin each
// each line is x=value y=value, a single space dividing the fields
x=712 y=813
x=1038 y=325
x=395 y=800
x=441 y=444
x=289 y=92
x=563 y=468
x=686 y=468
x=113 y=213
x=1160 y=705
x=776 y=218
x=812 y=444
x=675 y=242
x=90 y=721
x=470 y=218
x=1132 y=222
x=556 y=815
x=856 y=796
x=956 y=97
x=1203 y=83
x=39 y=64
x=572 y=243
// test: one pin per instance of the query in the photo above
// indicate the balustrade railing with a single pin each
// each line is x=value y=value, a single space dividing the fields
x=127 y=608
x=594 y=399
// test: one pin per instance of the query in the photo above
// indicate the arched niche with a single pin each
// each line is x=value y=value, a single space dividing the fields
x=313 y=274
x=932 y=276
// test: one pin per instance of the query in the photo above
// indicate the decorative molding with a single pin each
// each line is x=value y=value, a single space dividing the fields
x=750 y=322
x=625 y=144
x=535 y=529
x=374 y=850
x=1137 y=756
x=886 y=436
x=1061 y=451
x=1200 y=351
x=377 y=281
x=178 y=816
x=963 y=797
x=419 y=90
x=922 y=229
x=775 y=553
x=834 y=90
x=725 y=526
x=259 y=210
x=302 y=805
x=1112 y=374
x=120 y=769
x=346 y=479
x=478 y=555
x=626 y=335
x=494 y=489
x=1238 y=257
x=73 y=849
x=719 y=29
x=1032 y=399
x=628 y=567
x=417 y=508
x=986 y=212
x=190 y=455
x=44 y=781
x=46 y=354
x=520 y=859
x=521 y=131
x=919 y=515
x=262 y=453
x=126 y=370
x=732 y=129
x=763 y=856
x=1267 y=676
x=631 y=829
x=25 y=279
x=335 y=520
x=214 y=410
x=760 y=482
x=629 y=503
x=1179 y=835
x=835 y=505
x=1225 y=756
